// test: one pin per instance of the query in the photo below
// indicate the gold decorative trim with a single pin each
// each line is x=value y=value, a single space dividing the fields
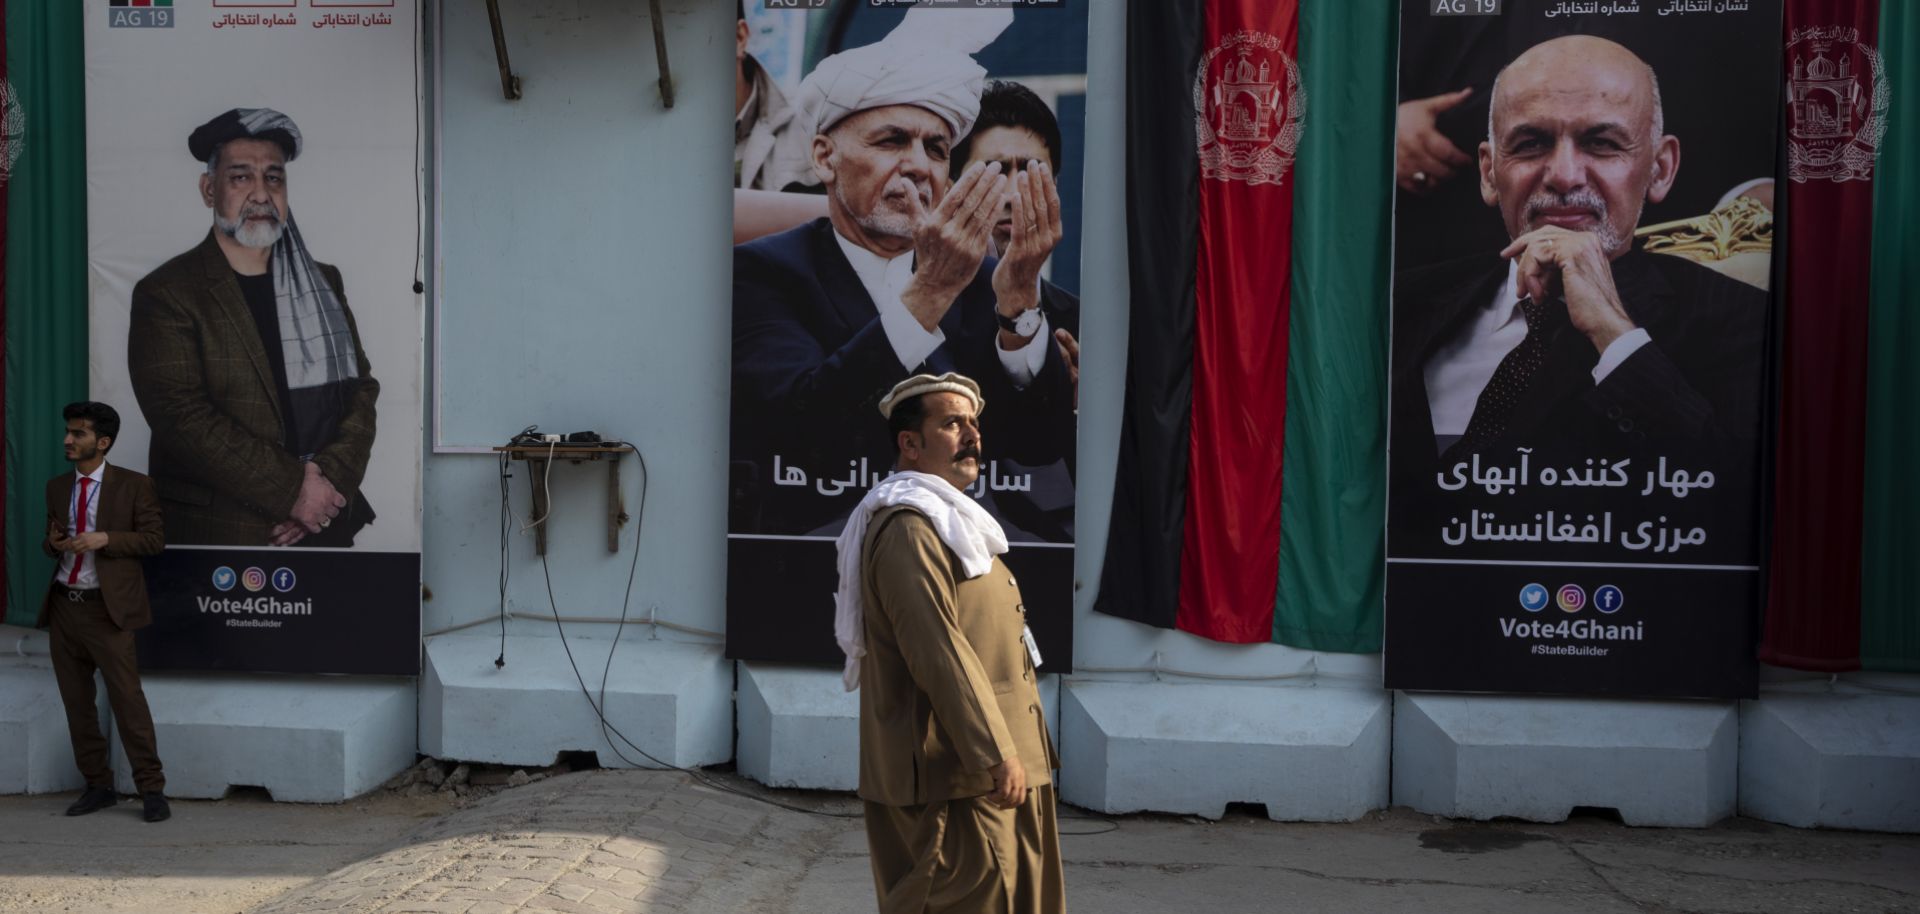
x=1740 y=226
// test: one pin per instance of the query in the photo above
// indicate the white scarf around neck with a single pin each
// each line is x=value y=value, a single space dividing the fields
x=967 y=529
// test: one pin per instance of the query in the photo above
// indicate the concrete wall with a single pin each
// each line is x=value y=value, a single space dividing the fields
x=584 y=284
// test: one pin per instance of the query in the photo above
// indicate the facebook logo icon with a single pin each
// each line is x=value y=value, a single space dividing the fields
x=1608 y=599
x=283 y=579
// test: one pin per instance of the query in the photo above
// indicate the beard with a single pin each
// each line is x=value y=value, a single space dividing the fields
x=81 y=455
x=250 y=233
x=1610 y=237
x=887 y=223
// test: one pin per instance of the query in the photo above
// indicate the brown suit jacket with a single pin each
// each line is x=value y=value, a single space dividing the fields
x=129 y=513
x=947 y=688
x=207 y=391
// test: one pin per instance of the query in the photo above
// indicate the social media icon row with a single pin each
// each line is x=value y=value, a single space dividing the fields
x=1571 y=598
x=254 y=579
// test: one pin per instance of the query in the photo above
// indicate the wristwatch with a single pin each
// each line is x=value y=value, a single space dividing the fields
x=1027 y=324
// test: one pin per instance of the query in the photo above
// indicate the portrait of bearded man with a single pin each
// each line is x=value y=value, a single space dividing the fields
x=247 y=362
x=1571 y=343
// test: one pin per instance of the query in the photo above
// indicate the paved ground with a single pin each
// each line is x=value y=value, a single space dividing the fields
x=604 y=842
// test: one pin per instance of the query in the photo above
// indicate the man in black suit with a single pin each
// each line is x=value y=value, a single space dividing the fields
x=1571 y=344
x=897 y=279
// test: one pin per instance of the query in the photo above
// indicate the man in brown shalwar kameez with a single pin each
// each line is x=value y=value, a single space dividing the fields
x=955 y=761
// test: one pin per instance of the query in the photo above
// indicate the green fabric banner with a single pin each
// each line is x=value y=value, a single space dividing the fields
x=1889 y=615
x=1333 y=491
x=46 y=281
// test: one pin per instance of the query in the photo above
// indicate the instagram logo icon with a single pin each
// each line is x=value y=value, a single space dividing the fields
x=253 y=579
x=1571 y=598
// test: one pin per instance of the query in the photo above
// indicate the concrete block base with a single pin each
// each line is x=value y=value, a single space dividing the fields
x=1832 y=761
x=1536 y=758
x=306 y=739
x=799 y=727
x=36 y=755
x=1309 y=754
x=674 y=700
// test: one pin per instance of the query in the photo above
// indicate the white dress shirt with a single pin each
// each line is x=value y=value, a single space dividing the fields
x=886 y=280
x=1460 y=370
x=89 y=580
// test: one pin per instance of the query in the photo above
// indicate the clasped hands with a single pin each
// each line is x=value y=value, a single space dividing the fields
x=315 y=508
x=1574 y=265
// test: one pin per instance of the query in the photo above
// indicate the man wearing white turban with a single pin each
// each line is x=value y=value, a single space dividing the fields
x=895 y=280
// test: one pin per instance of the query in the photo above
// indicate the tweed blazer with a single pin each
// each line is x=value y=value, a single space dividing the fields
x=206 y=388
x=129 y=513
x=947 y=688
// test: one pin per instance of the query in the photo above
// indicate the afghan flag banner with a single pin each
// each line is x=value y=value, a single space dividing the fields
x=1216 y=106
x=43 y=138
x=1847 y=506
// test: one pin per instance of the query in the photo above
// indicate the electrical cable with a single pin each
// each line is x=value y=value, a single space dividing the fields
x=506 y=527
x=607 y=729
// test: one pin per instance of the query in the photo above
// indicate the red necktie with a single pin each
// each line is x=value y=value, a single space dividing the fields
x=79 y=527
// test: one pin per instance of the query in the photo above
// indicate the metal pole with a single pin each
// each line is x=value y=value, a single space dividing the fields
x=509 y=83
x=660 y=50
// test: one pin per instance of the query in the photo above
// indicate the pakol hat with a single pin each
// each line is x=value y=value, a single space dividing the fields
x=951 y=382
x=245 y=124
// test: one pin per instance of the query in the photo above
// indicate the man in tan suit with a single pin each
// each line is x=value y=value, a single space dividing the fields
x=955 y=761
x=100 y=520
x=248 y=364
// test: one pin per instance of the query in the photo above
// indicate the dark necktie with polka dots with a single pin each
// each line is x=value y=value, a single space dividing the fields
x=1509 y=382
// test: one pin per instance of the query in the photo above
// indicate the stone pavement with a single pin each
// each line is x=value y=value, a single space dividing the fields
x=601 y=842
x=611 y=842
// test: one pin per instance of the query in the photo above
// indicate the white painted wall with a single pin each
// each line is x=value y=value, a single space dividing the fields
x=584 y=284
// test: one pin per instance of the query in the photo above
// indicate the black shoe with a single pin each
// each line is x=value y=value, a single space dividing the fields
x=93 y=799
x=156 y=808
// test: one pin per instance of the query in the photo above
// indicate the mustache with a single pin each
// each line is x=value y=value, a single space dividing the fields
x=973 y=452
x=260 y=210
x=1584 y=198
x=904 y=186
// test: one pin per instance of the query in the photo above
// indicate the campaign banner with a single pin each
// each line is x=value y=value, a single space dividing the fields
x=1581 y=325
x=852 y=123
x=253 y=204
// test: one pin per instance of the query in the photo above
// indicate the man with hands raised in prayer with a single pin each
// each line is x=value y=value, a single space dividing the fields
x=897 y=279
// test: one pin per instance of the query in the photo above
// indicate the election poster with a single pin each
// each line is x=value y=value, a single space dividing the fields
x=860 y=129
x=1581 y=332
x=254 y=217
